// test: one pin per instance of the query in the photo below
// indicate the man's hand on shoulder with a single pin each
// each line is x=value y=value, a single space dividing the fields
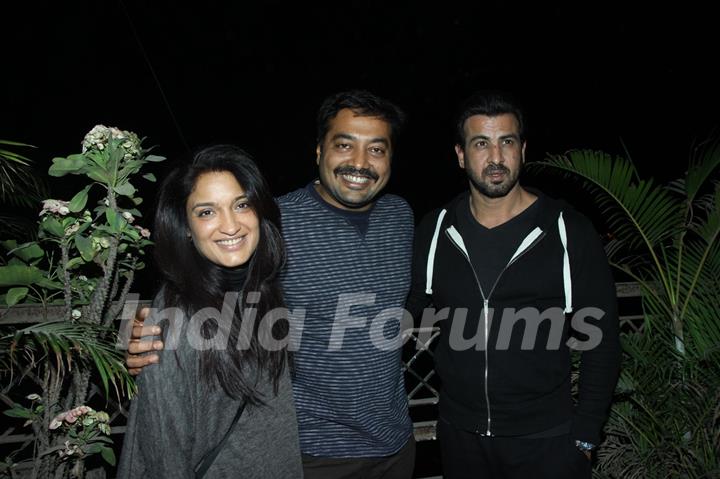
x=136 y=358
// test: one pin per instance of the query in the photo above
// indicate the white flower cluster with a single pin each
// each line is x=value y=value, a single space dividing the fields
x=87 y=416
x=144 y=232
x=55 y=206
x=80 y=417
x=99 y=137
x=70 y=450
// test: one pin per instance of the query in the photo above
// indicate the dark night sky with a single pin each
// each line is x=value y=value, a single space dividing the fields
x=254 y=73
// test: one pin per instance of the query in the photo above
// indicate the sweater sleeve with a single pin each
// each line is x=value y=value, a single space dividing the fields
x=595 y=315
x=163 y=414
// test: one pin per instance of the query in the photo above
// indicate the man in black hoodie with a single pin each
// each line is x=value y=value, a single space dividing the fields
x=517 y=280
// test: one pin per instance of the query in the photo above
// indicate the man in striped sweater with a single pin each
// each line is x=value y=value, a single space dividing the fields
x=347 y=277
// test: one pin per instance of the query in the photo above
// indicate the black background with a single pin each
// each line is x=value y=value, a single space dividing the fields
x=596 y=75
x=591 y=74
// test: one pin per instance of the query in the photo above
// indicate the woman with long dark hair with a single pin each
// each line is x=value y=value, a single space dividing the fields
x=219 y=404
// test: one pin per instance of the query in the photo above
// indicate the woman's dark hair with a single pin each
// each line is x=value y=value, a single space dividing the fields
x=192 y=282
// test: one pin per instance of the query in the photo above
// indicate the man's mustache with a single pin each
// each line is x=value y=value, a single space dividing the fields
x=350 y=170
x=491 y=169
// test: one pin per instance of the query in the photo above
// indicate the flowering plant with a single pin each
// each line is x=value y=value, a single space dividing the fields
x=80 y=432
x=85 y=432
x=84 y=261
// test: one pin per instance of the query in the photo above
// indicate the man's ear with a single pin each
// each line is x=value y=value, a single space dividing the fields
x=318 y=153
x=460 y=156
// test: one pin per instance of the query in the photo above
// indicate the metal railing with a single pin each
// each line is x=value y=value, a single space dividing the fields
x=420 y=376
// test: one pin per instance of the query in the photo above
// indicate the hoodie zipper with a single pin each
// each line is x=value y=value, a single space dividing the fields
x=486 y=305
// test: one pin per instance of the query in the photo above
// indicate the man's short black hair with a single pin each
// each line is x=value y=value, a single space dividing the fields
x=489 y=103
x=362 y=103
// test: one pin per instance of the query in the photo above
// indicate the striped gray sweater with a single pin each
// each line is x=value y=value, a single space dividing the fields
x=348 y=384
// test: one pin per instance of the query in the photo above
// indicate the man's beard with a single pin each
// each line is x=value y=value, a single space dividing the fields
x=492 y=190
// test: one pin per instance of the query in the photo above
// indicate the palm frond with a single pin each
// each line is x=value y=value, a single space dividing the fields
x=708 y=224
x=665 y=420
x=660 y=423
x=703 y=163
x=67 y=342
x=637 y=211
x=13 y=227
x=19 y=184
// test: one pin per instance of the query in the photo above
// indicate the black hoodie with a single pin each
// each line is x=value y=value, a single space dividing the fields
x=513 y=385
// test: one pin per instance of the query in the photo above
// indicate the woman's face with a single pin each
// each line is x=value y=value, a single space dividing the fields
x=223 y=227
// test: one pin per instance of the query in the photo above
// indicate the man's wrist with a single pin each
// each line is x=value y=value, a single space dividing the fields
x=584 y=446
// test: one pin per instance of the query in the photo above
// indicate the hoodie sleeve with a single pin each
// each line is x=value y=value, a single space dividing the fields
x=418 y=299
x=595 y=317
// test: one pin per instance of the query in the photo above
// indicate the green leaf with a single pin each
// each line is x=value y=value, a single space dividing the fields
x=105 y=229
x=52 y=226
x=137 y=201
x=62 y=166
x=154 y=158
x=702 y=165
x=93 y=448
x=26 y=252
x=74 y=262
x=48 y=284
x=78 y=202
x=9 y=245
x=83 y=227
x=108 y=454
x=16 y=275
x=150 y=177
x=98 y=174
x=19 y=412
x=113 y=219
x=133 y=233
x=125 y=189
x=131 y=167
x=14 y=295
x=99 y=157
x=84 y=245
x=15 y=143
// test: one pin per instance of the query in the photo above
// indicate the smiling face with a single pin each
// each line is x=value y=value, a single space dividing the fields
x=492 y=155
x=223 y=227
x=354 y=160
